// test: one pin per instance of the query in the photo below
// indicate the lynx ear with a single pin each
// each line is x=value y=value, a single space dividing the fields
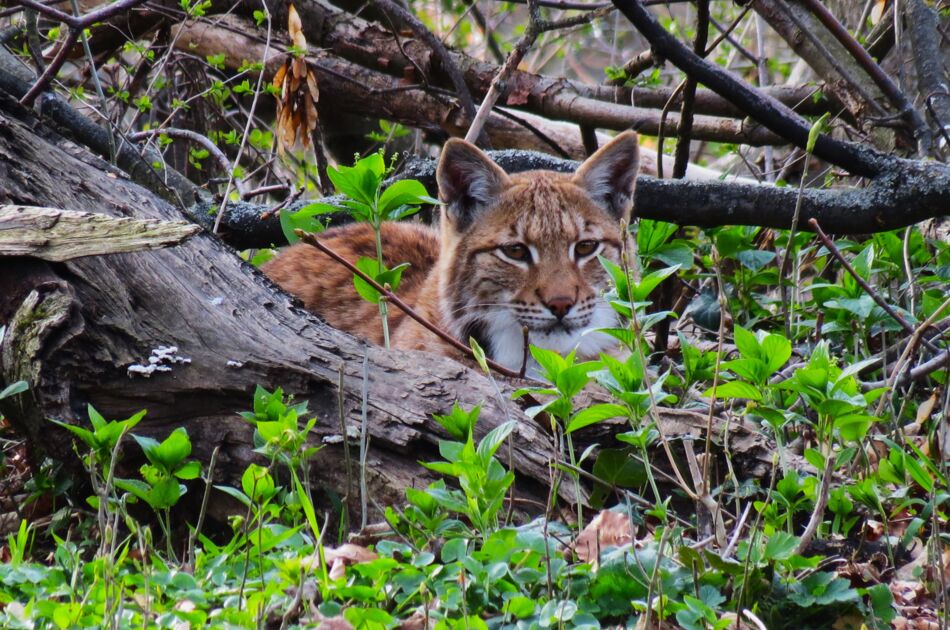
x=468 y=181
x=610 y=175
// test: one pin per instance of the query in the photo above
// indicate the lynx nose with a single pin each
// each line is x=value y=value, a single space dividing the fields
x=559 y=305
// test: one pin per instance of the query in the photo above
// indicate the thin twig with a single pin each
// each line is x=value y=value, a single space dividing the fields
x=312 y=240
x=685 y=127
x=818 y=512
x=661 y=134
x=858 y=159
x=827 y=242
x=915 y=338
x=186 y=134
x=209 y=482
x=536 y=26
x=867 y=63
x=232 y=176
x=923 y=370
x=448 y=65
x=364 y=440
x=76 y=26
x=347 y=460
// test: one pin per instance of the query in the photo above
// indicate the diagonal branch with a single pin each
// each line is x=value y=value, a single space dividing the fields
x=777 y=117
x=689 y=93
x=867 y=63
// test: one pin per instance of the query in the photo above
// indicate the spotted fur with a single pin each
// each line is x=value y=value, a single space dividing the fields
x=513 y=251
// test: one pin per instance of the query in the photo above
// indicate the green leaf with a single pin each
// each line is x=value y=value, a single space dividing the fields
x=734 y=389
x=494 y=439
x=617 y=276
x=573 y=379
x=593 y=415
x=164 y=494
x=747 y=344
x=304 y=219
x=371 y=268
x=137 y=488
x=407 y=191
x=13 y=389
x=360 y=181
x=257 y=483
x=753 y=370
x=919 y=474
x=458 y=422
x=520 y=606
x=190 y=470
x=642 y=289
x=616 y=467
x=551 y=362
x=781 y=546
x=816 y=130
x=652 y=234
x=171 y=452
x=95 y=418
x=678 y=253
x=854 y=427
x=776 y=350
x=479 y=354
x=755 y=259
x=82 y=433
x=392 y=277
x=860 y=306
x=882 y=603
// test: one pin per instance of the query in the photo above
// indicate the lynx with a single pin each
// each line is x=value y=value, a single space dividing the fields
x=512 y=252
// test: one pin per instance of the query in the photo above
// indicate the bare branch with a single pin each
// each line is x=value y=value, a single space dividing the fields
x=931 y=81
x=777 y=117
x=891 y=91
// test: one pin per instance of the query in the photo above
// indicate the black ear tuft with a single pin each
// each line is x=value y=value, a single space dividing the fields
x=610 y=175
x=468 y=181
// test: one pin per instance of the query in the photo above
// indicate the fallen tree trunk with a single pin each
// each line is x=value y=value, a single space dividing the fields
x=82 y=332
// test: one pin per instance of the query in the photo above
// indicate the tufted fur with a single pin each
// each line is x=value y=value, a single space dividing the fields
x=463 y=278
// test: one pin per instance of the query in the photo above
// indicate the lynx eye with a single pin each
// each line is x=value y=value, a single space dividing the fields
x=582 y=249
x=516 y=251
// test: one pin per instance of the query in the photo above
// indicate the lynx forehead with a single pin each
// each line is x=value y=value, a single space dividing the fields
x=514 y=253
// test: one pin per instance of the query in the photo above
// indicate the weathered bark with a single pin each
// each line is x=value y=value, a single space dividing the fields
x=364 y=89
x=57 y=235
x=824 y=54
x=75 y=328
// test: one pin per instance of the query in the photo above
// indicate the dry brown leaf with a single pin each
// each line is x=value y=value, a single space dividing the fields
x=608 y=529
x=868 y=572
x=416 y=621
x=295 y=28
x=853 y=620
x=873 y=530
x=335 y=623
x=877 y=12
x=297 y=92
x=906 y=592
x=345 y=555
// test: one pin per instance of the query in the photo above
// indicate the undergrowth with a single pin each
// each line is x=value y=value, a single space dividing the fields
x=858 y=427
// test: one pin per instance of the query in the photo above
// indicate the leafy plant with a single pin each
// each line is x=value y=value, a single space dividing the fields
x=367 y=201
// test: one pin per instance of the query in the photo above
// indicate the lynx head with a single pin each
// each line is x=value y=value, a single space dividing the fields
x=521 y=250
